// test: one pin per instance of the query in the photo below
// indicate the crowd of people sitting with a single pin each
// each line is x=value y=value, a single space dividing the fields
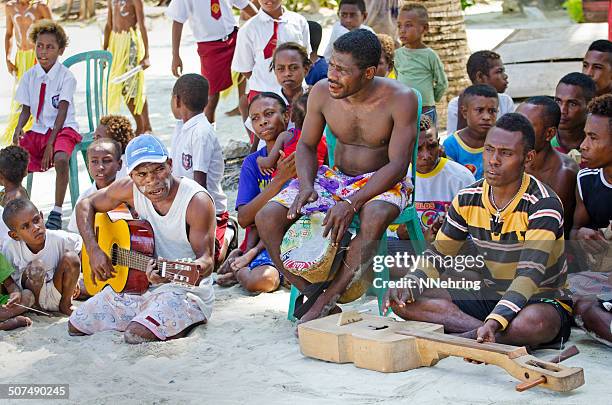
x=527 y=187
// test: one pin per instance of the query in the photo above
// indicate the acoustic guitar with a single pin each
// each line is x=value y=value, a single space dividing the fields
x=130 y=245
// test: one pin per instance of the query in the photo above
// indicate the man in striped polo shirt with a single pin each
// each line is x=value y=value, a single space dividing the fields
x=515 y=223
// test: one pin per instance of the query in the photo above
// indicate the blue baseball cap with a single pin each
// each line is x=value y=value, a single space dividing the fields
x=144 y=149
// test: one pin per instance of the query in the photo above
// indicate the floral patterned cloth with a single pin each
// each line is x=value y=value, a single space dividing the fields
x=164 y=313
x=332 y=186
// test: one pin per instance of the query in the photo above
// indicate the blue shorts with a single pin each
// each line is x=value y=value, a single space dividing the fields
x=263 y=259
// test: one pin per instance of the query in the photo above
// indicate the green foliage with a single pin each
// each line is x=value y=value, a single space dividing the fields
x=574 y=10
x=467 y=3
x=299 y=5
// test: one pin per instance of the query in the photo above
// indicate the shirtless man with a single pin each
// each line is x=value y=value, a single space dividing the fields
x=549 y=165
x=20 y=15
x=374 y=120
x=182 y=215
x=125 y=36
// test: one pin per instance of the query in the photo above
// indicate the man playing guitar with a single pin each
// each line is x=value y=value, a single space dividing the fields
x=182 y=215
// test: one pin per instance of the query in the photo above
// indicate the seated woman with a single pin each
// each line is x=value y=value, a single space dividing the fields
x=250 y=264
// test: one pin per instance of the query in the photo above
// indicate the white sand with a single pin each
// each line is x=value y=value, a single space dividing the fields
x=248 y=353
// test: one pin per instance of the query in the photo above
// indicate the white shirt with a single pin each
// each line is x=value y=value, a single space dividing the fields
x=4 y=236
x=337 y=31
x=56 y=244
x=61 y=85
x=506 y=105
x=72 y=224
x=195 y=147
x=253 y=38
x=204 y=27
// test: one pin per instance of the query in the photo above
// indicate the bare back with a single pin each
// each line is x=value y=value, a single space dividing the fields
x=20 y=17
x=371 y=130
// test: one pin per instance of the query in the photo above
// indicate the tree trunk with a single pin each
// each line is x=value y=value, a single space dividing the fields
x=448 y=38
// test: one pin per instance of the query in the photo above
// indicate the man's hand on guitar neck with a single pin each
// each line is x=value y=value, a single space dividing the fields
x=153 y=275
x=101 y=265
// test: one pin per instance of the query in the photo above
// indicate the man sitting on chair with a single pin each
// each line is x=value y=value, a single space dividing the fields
x=375 y=121
x=515 y=223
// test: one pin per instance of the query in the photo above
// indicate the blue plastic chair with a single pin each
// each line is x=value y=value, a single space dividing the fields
x=408 y=216
x=98 y=66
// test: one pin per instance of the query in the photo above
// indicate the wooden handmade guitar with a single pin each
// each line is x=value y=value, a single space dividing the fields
x=130 y=245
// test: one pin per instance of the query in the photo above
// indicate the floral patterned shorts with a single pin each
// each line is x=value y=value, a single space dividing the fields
x=332 y=186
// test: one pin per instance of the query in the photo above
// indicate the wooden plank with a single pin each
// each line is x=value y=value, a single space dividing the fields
x=554 y=43
x=537 y=79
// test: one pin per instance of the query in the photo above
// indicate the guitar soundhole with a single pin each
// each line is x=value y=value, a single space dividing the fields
x=114 y=253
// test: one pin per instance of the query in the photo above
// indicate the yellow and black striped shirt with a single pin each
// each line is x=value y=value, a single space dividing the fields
x=522 y=247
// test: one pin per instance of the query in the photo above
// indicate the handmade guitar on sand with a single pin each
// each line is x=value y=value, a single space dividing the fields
x=130 y=245
x=386 y=345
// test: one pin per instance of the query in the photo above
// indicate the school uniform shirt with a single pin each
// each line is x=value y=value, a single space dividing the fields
x=458 y=151
x=253 y=38
x=205 y=28
x=252 y=181
x=56 y=244
x=522 y=246
x=195 y=148
x=72 y=224
x=434 y=191
x=337 y=31
x=596 y=194
x=60 y=86
x=506 y=105
x=4 y=236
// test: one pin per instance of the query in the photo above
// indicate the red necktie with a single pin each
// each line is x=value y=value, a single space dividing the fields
x=215 y=9
x=41 y=100
x=269 y=49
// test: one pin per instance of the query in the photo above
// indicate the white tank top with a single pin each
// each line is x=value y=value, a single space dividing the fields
x=170 y=233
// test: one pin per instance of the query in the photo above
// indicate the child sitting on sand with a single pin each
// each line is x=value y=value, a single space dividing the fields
x=119 y=128
x=103 y=164
x=479 y=105
x=288 y=140
x=10 y=309
x=46 y=262
x=13 y=168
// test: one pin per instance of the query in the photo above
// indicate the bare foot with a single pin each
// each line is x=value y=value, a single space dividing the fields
x=226 y=280
x=226 y=267
x=233 y=113
x=16 y=322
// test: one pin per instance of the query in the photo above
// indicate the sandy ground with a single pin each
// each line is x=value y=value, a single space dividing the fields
x=247 y=352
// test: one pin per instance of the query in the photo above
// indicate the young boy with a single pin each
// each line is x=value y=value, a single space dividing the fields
x=548 y=165
x=20 y=15
x=214 y=28
x=46 y=92
x=103 y=163
x=125 y=36
x=257 y=40
x=196 y=153
x=386 y=68
x=479 y=105
x=352 y=14
x=119 y=128
x=483 y=67
x=418 y=66
x=594 y=212
x=319 y=64
x=10 y=311
x=597 y=64
x=573 y=94
x=13 y=168
x=46 y=261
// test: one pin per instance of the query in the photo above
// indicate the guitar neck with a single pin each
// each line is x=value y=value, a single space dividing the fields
x=132 y=259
